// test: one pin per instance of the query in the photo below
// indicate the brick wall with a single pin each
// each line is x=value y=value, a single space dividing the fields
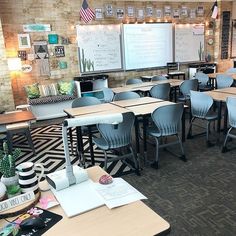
x=63 y=16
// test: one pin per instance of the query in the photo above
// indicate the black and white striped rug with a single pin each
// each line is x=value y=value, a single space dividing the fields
x=50 y=152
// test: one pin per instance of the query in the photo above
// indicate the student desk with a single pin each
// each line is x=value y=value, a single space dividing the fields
x=212 y=78
x=146 y=86
x=142 y=108
x=88 y=111
x=220 y=96
x=135 y=219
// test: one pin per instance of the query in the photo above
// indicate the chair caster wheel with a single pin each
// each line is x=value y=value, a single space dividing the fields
x=154 y=165
x=183 y=158
x=138 y=172
x=224 y=149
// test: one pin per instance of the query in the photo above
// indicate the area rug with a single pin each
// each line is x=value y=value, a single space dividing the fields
x=50 y=151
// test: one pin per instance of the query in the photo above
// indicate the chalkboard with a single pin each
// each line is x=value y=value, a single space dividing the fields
x=189 y=42
x=99 y=48
x=147 y=45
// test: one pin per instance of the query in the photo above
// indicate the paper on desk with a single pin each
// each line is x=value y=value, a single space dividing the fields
x=118 y=193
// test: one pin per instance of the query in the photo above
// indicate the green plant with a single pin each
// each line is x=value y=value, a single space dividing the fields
x=7 y=161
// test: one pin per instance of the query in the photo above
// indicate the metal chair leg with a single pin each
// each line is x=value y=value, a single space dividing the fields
x=224 y=148
x=155 y=163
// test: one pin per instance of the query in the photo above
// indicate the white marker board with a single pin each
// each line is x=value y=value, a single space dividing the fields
x=188 y=39
x=147 y=45
x=99 y=48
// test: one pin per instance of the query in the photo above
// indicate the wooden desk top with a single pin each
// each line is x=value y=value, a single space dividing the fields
x=146 y=86
x=219 y=96
x=136 y=101
x=213 y=75
x=16 y=117
x=147 y=108
x=86 y=110
x=231 y=90
x=135 y=219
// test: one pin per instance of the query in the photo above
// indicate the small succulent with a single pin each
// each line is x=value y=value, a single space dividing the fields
x=7 y=161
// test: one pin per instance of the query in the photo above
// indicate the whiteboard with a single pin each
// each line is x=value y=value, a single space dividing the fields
x=147 y=45
x=99 y=48
x=188 y=38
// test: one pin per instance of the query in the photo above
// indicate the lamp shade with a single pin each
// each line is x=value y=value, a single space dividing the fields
x=14 y=64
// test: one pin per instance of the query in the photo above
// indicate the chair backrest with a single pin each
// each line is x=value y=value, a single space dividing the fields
x=188 y=85
x=158 y=77
x=231 y=70
x=161 y=91
x=134 y=81
x=200 y=103
x=231 y=106
x=224 y=81
x=202 y=78
x=172 y=66
x=167 y=118
x=85 y=101
x=108 y=94
x=118 y=135
x=126 y=95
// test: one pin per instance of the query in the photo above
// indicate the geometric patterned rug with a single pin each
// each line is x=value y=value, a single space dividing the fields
x=49 y=149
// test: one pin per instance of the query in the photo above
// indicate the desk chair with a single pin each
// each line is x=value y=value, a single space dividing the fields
x=201 y=105
x=21 y=128
x=134 y=81
x=161 y=91
x=158 y=78
x=203 y=79
x=223 y=81
x=185 y=89
x=231 y=106
x=173 y=70
x=108 y=94
x=167 y=120
x=115 y=137
x=85 y=130
x=126 y=95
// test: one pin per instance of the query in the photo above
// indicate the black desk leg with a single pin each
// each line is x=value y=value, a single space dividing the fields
x=145 y=123
x=183 y=126
x=225 y=120
x=91 y=145
x=219 y=117
x=136 y=126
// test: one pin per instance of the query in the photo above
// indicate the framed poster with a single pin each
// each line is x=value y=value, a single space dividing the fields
x=109 y=10
x=98 y=13
x=167 y=11
x=24 y=41
x=159 y=13
x=149 y=12
x=140 y=13
x=130 y=12
x=120 y=13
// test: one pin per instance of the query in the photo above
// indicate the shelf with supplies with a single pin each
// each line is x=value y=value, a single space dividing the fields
x=91 y=85
x=205 y=67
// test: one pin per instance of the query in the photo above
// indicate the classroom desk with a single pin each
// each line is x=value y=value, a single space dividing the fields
x=212 y=77
x=146 y=86
x=220 y=96
x=145 y=111
x=135 y=219
x=16 y=117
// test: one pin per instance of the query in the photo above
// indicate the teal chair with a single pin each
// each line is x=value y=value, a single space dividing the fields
x=126 y=95
x=224 y=81
x=231 y=106
x=161 y=91
x=201 y=105
x=167 y=120
x=134 y=81
x=117 y=137
x=158 y=78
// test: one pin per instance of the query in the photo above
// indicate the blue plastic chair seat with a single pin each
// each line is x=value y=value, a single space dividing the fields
x=101 y=143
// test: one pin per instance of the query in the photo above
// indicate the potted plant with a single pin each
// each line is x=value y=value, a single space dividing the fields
x=7 y=168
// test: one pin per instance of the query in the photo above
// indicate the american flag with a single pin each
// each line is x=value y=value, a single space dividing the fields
x=86 y=13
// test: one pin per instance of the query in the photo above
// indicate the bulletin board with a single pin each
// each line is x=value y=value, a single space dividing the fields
x=99 y=48
x=189 y=42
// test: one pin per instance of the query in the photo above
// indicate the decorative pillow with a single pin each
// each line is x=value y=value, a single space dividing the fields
x=66 y=88
x=32 y=91
x=48 y=90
